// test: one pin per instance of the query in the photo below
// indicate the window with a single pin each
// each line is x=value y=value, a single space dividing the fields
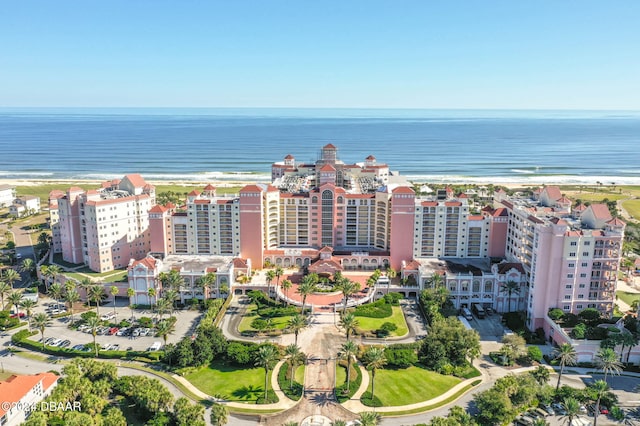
x=566 y=307
x=569 y=275
x=568 y=286
x=574 y=243
x=581 y=286
x=578 y=306
x=585 y=253
x=581 y=296
x=583 y=275
x=567 y=297
x=572 y=265
x=584 y=264
x=572 y=254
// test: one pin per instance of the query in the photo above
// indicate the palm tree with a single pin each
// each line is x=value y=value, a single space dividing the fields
x=566 y=355
x=95 y=293
x=219 y=414
x=152 y=295
x=55 y=292
x=436 y=280
x=278 y=273
x=296 y=357
x=347 y=351
x=170 y=297
x=130 y=293
x=5 y=290
x=572 y=407
x=348 y=289
x=369 y=418
x=541 y=374
x=510 y=287
x=27 y=305
x=297 y=323
x=270 y=276
x=84 y=284
x=338 y=422
x=11 y=276
x=208 y=282
x=391 y=274
x=266 y=357
x=633 y=341
x=306 y=287
x=164 y=328
x=350 y=323
x=114 y=292
x=286 y=285
x=596 y=391
x=14 y=300
x=94 y=323
x=374 y=359
x=163 y=307
x=53 y=272
x=608 y=362
x=41 y=322
x=28 y=266
x=71 y=297
x=539 y=422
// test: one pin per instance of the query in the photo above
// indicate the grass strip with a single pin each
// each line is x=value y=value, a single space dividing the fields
x=446 y=401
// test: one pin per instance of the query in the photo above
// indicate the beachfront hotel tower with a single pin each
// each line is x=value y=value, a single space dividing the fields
x=103 y=228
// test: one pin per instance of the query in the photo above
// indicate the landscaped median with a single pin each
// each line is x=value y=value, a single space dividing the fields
x=382 y=318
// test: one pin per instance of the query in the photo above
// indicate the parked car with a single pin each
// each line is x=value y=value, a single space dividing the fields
x=604 y=410
x=78 y=347
x=115 y=347
x=55 y=342
x=122 y=331
x=18 y=315
x=136 y=332
x=113 y=330
x=547 y=408
x=65 y=343
x=559 y=409
x=105 y=347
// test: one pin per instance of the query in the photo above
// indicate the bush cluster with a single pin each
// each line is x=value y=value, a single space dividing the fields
x=377 y=309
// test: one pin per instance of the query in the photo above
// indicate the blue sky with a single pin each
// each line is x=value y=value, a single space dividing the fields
x=269 y=53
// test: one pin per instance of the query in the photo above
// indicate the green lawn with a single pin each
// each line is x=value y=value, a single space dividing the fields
x=115 y=276
x=229 y=382
x=397 y=317
x=278 y=323
x=410 y=385
x=627 y=297
x=632 y=207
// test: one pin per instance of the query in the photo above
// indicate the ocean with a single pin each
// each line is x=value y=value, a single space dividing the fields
x=209 y=144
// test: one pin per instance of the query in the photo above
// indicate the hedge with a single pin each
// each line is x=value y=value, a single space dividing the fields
x=378 y=309
x=284 y=380
x=354 y=385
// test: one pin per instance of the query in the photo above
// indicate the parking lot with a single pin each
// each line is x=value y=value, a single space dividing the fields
x=490 y=328
x=136 y=338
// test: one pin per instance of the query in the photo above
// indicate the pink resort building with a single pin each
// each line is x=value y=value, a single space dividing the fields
x=103 y=228
x=329 y=215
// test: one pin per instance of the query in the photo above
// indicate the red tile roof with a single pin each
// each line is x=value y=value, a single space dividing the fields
x=564 y=200
x=503 y=268
x=580 y=208
x=500 y=212
x=201 y=201
x=326 y=249
x=616 y=221
x=16 y=387
x=475 y=217
x=414 y=265
x=289 y=157
x=209 y=188
x=601 y=211
x=371 y=157
x=251 y=188
x=553 y=192
x=429 y=204
x=136 y=180
x=148 y=262
x=329 y=146
x=403 y=190
x=158 y=209
x=239 y=263
x=452 y=203
x=327 y=168
x=194 y=193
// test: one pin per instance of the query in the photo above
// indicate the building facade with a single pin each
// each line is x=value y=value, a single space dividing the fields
x=103 y=228
x=19 y=392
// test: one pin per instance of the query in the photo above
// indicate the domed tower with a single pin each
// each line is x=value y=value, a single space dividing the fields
x=289 y=160
x=370 y=161
x=329 y=154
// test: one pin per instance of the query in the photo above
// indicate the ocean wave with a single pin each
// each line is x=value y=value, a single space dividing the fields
x=521 y=171
x=527 y=179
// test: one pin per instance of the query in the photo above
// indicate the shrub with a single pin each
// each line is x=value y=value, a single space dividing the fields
x=259 y=324
x=556 y=314
x=239 y=353
x=570 y=320
x=595 y=333
x=579 y=331
x=389 y=326
x=145 y=322
x=277 y=311
x=22 y=335
x=535 y=354
x=86 y=316
x=380 y=333
x=377 y=309
x=590 y=316
x=393 y=298
x=6 y=321
x=401 y=358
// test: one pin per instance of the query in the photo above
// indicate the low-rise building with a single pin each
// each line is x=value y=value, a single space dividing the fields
x=18 y=393
x=7 y=195
x=25 y=205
